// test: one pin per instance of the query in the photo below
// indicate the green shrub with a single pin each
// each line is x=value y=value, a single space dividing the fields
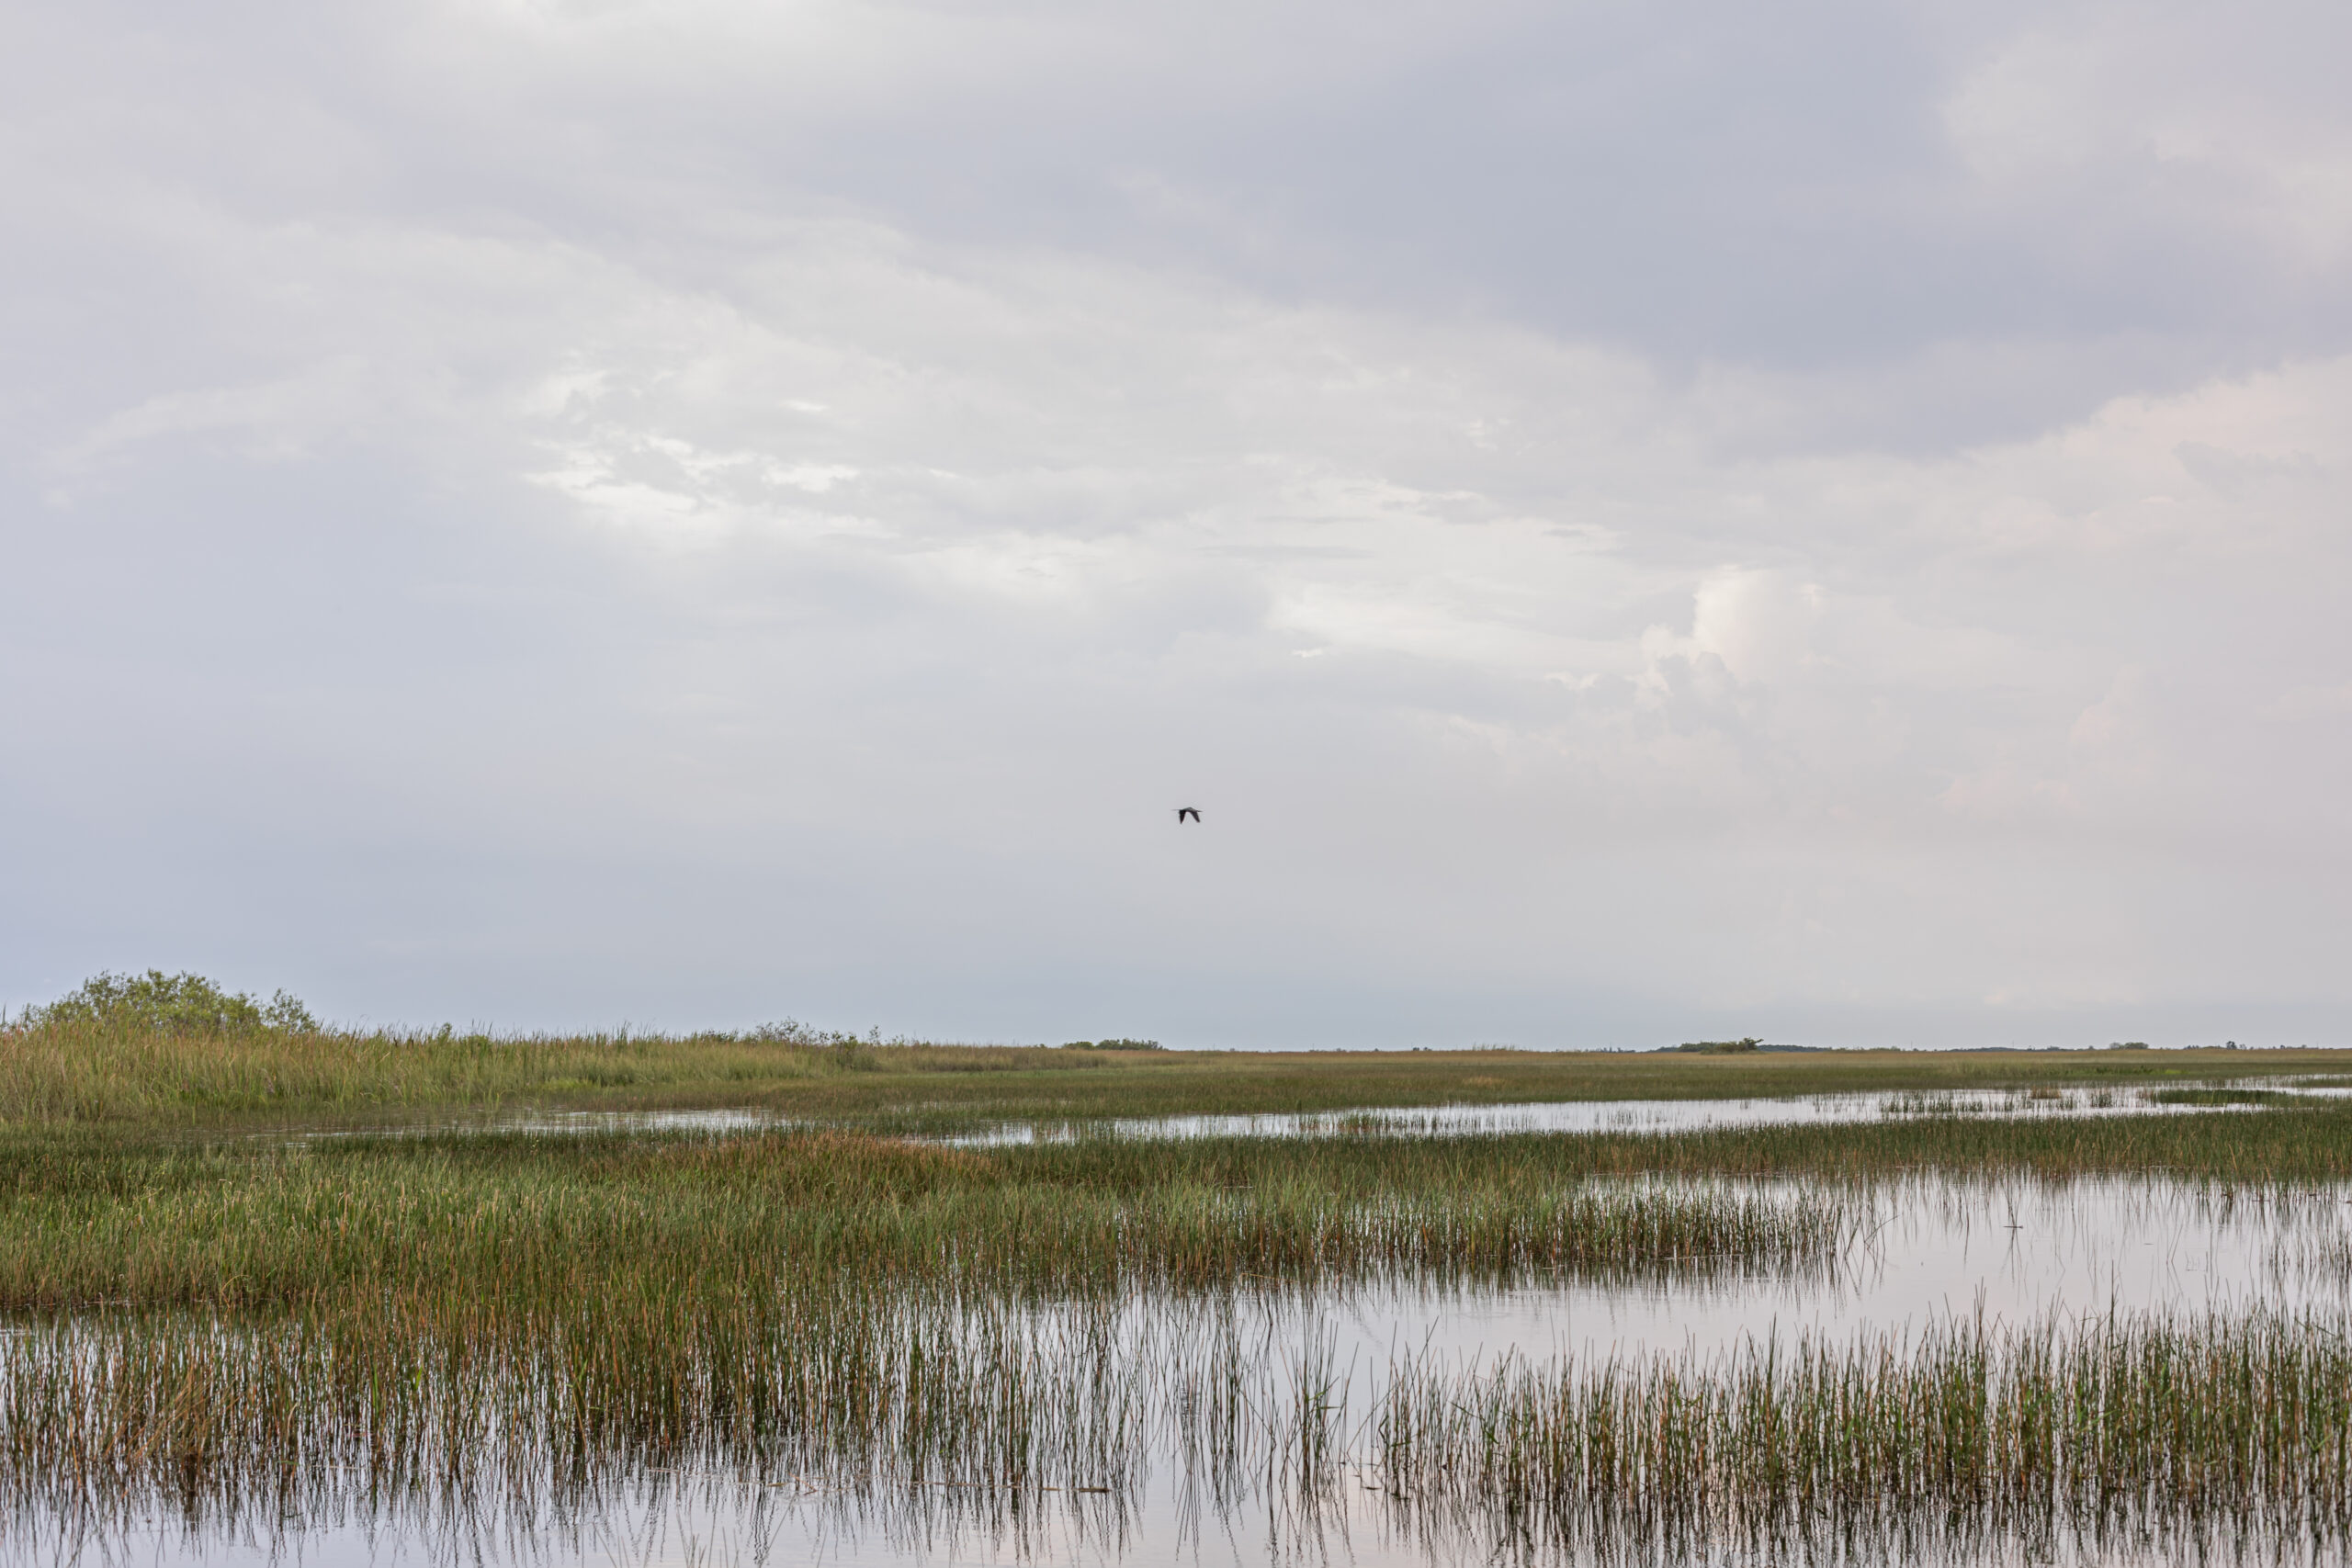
x=186 y=1004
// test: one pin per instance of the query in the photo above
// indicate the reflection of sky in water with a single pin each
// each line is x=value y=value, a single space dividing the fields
x=1561 y=1116
x=2017 y=1250
x=1161 y=1526
x=1632 y=1115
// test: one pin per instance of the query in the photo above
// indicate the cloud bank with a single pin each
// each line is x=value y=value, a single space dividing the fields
x=1629 y=521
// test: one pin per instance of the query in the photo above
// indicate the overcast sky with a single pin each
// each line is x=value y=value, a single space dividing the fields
x=1632 y=523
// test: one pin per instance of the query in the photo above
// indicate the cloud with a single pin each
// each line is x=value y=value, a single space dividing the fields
x=688 y=512
x=2300 y=704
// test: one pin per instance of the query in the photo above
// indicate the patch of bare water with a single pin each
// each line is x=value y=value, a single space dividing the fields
x=1456 y=1120
x=2015 y=1251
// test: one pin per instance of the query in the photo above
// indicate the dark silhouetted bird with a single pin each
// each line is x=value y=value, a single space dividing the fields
x=1192 y=811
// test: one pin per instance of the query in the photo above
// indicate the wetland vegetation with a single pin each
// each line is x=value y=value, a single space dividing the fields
x=250 y=1274
x=193 y=1055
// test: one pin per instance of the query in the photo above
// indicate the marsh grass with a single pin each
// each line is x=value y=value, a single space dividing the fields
x=218 y=1317
x=99 y=1217
x=538 y=1221
x=1966 y=1434
x=2267 y=1146
x=93 y=1070
x=445 y=1409
x=1975 y=1431
x=438 y=1400
x=2219 y=1097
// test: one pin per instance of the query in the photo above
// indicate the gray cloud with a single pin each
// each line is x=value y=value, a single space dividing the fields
x=1631 y=521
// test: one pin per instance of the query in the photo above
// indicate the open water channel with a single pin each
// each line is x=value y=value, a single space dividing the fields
x=1537 y=1116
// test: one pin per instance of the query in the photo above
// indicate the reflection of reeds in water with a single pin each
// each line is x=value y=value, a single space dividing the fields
x=2313 y=1255
x=437 y=1407
x=915 y=1412
x=1964 y=1435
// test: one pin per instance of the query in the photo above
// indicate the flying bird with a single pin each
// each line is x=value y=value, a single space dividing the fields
x=1192 y=811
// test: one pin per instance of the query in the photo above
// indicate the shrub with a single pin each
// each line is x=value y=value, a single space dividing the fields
x=186 y=1004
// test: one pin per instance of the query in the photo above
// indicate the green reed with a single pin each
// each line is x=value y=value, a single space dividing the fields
x=440 y=1398
x=2298 y=1144
x=2094 y=1424
x=425 y=1407
x=1966 y=1432
x=101 y=1072
x=94 y=1219
x=538 y=1220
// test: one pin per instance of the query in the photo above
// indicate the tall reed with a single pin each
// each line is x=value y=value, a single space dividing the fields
x=2063 y=1425
x=101 y=1071
x=1967 y=1436
x=541 y=1220
x=434 y=1399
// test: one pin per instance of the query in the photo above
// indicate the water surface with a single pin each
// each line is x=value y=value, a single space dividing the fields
x=1640 y=1116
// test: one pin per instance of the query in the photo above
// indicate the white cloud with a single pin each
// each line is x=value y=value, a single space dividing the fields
x=2178 y=107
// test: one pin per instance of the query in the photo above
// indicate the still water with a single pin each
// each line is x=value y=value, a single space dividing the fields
x=1562 y=1116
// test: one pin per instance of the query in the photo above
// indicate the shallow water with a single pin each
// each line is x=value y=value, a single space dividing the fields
x=1451 y=1121
x=2016 y=1252
x=2012 y=1251
x=1165 y=1525
x=1636 y=1115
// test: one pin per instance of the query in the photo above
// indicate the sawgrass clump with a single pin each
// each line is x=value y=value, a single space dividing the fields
x=85 y=1069
x=2293 y=1143
x=542 y=1220
x=1974 y=1430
